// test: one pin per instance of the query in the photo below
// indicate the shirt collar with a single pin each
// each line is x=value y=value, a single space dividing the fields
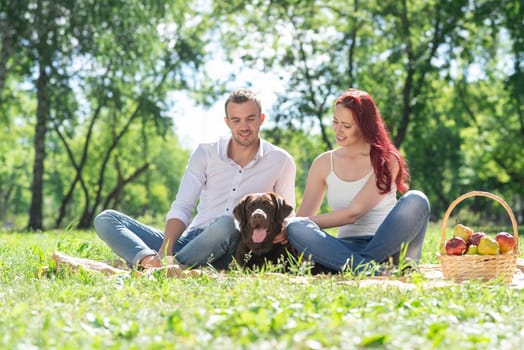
x=224 y=142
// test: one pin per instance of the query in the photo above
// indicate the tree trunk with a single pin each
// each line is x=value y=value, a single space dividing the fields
x=78 y=167
x=35 y=215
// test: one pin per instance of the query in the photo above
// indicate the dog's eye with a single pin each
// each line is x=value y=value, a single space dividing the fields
x=251 y=206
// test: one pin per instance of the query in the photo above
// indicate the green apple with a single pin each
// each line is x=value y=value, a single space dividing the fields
x=472 y=250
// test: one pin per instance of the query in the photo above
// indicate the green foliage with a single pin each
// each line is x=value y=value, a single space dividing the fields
x=446 y=75
x=15 y=167
x=84 y=310
x=101 y=74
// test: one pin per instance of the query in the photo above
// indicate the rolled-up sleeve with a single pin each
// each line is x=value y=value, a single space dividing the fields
x=285 y=184
x=190 y=188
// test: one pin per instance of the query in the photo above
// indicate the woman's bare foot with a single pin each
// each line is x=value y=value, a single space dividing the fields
x=150 y=261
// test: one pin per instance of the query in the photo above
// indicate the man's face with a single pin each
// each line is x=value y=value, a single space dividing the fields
x=244 y=121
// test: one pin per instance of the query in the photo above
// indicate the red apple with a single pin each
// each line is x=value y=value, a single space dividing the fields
x=475 y=238
x=506 y=242
x=456 y=246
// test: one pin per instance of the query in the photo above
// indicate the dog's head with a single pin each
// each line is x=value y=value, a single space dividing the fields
x=260 y=216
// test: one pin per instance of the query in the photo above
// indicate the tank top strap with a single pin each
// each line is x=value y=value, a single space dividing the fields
x=331 y=161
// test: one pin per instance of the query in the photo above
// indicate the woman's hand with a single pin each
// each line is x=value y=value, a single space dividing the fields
x=282 y=237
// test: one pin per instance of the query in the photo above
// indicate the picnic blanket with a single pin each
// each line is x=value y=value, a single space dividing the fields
x=432 y=273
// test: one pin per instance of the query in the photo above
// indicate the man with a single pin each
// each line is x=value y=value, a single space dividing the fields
x=217 y=176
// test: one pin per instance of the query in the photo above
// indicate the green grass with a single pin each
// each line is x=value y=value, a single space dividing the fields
x=83 y=310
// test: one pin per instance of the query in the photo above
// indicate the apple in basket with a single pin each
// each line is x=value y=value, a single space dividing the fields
x=456 y=246
x=472 y=250
x=462 y=231
x=475 y=238
x=506 y=242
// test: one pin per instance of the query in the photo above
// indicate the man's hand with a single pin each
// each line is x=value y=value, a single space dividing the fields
x=173 y=230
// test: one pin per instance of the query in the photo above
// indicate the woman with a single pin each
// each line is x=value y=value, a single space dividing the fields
x=360 y=179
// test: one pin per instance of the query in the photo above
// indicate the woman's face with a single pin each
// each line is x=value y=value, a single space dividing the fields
x=346 y=129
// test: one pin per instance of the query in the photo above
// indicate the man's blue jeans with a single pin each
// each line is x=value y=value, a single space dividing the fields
x=405 y=224
x=133 y=241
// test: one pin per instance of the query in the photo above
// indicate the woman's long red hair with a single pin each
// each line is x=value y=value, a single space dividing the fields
x=370 y=122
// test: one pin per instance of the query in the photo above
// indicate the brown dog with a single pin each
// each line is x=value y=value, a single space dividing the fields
x=260 y=217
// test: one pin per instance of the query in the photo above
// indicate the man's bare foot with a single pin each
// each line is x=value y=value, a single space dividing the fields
x=150 y=261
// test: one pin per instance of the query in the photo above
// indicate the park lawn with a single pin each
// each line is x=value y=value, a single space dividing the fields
x=85 y=310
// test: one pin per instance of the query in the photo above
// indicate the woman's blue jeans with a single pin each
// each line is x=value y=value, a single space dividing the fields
x=133 y=241
x=406 y=224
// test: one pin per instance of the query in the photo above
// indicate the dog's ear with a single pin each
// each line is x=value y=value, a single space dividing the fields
x=283 y=209
x=239 y=212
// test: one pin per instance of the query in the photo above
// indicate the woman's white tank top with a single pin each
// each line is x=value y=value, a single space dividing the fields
x=340 y=194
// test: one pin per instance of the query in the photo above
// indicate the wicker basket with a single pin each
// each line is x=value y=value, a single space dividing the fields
x=481 y=267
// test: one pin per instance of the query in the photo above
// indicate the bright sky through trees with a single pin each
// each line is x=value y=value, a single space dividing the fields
x=194 y=124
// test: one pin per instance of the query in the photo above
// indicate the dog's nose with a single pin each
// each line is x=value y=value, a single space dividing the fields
x=259 y=214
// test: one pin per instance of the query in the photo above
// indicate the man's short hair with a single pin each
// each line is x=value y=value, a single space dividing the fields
x=242 y=96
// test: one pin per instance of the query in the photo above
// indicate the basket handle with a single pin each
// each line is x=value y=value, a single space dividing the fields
x=481 y=194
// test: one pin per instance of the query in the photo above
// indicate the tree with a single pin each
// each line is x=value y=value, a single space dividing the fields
x=128 y=54
x=405 y=53
x=446 y=75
